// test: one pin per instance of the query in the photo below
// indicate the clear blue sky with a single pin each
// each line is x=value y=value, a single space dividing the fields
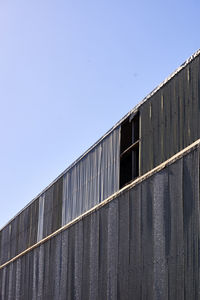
x=69 y=70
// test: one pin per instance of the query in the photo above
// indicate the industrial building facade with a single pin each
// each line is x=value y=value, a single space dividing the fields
x=122 y=222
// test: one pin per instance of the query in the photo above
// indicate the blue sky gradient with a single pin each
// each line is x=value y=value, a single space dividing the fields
x=69 y=70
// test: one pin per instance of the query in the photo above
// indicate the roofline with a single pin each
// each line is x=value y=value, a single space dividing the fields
x=133 y=111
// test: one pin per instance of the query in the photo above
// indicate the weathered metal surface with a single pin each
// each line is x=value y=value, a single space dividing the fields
x=170 y=117
x=86 y=184
x=169 y=123
x=144 y=244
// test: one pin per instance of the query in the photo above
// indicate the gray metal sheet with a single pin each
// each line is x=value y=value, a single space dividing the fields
x=94 y=258
x=103 y=254
x=161 y=234
x=86 y=259
x=123 y=251
x=64 y=264
x=135 y=243
x=176 y=254
x=112 y=256
x=47 y=283
x=191 y=223
x=78 y=263
x=147 y=239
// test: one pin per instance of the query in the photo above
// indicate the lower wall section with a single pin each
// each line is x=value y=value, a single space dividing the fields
x=144 y=244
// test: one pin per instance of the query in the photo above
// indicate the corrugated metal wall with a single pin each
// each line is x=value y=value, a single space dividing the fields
x=85 y=184
x=93 y=179
x=170 y=119
x=144 y=244
x=149 y=235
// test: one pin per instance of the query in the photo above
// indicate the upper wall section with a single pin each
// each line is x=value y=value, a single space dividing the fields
x=85 y=184
x=170 y=119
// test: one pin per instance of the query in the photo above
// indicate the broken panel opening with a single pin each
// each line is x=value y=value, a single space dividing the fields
x=129 y=157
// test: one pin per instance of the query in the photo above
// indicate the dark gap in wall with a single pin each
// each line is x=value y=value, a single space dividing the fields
x=129 y=157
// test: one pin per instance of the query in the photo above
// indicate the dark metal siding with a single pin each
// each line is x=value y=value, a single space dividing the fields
x=144 y=244
x=170 y=119
x=88 y=182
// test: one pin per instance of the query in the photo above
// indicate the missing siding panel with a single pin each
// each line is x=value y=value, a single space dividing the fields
x=129 y=158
